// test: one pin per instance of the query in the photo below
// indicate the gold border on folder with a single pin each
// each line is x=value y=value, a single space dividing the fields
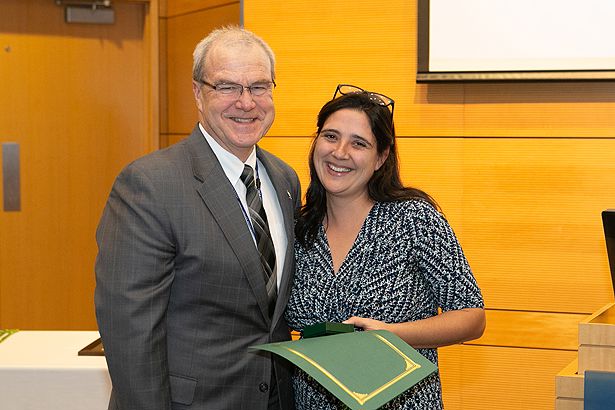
x=362 y=398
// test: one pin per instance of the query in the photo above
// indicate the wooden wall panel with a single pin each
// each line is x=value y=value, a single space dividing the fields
x=178 y=7
x=60 y=102
x=564 y=109
x=535 y=330
x=502 y=378
x=163 y=80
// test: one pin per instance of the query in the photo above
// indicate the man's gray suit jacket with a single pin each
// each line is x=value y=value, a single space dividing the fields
x=180 y=294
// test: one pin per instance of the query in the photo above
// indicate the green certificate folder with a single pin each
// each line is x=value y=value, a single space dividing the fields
x=364 y=370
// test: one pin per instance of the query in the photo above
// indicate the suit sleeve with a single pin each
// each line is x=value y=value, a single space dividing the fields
x=134 y=273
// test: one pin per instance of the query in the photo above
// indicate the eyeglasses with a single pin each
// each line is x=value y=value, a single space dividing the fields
x=232 y=90
x=376 y=98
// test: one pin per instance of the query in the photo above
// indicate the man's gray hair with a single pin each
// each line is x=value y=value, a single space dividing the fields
x=227 y=35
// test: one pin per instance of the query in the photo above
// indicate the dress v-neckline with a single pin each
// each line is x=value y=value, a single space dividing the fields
x=352 y=247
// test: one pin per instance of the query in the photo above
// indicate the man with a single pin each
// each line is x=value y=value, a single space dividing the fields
x=182 y=289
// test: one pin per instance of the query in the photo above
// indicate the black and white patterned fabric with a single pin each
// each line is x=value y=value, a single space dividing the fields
x=404 y=264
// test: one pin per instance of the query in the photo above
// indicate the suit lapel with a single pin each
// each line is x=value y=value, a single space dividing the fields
x=221 y=200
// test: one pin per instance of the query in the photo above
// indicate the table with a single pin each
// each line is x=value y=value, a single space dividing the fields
x=40 y=370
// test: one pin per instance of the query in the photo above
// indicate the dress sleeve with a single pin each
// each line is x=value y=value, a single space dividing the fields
x=442 y=262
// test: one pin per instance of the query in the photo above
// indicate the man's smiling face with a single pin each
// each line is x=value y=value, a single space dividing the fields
x=237 y=124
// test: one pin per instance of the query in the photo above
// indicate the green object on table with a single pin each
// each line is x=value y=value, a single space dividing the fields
x=326 y=328
x=365 y=370
x=5 y=333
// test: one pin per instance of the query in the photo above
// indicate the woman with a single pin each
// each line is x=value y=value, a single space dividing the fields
x=374 y=253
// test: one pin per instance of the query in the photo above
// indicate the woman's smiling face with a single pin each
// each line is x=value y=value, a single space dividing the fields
x=345 y=154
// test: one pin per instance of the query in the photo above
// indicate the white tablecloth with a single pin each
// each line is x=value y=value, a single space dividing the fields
x=40 y=370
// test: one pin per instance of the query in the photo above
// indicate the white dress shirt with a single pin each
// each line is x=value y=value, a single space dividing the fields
x=233 y=168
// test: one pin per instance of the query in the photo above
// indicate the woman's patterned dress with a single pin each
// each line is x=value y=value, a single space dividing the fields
x=404 y=264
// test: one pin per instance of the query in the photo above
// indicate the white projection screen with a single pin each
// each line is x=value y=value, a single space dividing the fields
x=499 y=40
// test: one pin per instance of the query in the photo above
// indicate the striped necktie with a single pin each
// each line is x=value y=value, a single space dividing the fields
x=261 y=231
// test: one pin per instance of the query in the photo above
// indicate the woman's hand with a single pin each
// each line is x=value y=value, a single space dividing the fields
x=367 y=324
x=451 y=327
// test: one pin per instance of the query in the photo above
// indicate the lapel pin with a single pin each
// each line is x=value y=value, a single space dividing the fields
x=289 y=196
